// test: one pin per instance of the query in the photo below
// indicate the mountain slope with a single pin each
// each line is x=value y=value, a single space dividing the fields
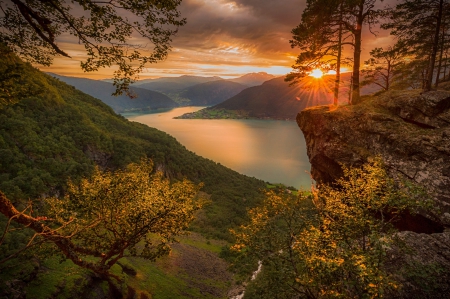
x=275 y=99
x=211 y=93
x=172 y=84
x=50 y=133
x=59 y=133
x=145 y=99
x=253 y=79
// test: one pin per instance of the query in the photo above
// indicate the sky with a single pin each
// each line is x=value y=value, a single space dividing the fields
x=223 y=38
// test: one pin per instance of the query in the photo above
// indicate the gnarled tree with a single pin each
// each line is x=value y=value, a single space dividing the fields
x=104 y=218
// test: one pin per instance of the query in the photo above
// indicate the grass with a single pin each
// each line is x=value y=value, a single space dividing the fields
x=56 y=278
x=192 y=270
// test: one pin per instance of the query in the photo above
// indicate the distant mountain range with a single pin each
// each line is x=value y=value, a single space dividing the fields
x=275 y=99
x=167 y=92
x=253 y=79
x=171 y=84
x=202 y=91
x=211 y=93
x=146 y=100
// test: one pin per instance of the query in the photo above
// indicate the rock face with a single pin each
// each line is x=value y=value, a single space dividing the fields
x=411 y=132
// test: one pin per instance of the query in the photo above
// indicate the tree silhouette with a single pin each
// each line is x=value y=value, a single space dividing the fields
x=383 y=68
x=35 y=30
x=421 y=26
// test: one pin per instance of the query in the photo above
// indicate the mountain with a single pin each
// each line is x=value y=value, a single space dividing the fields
x=51 y=132
x=275 y=99
x=253 y=79
x=211 y=93
x=172 y=84
x=145 y=99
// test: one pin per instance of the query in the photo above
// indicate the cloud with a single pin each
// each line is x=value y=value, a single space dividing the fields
x=232 y=37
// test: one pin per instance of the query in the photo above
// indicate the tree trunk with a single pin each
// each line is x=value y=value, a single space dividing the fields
x=357 y=56
x=388 y=76
x=435 y=48
x=440 y=56
x=64 y=243
x=445 y=66
x=338 y=61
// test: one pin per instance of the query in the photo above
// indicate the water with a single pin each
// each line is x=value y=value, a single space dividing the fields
x=271 y=150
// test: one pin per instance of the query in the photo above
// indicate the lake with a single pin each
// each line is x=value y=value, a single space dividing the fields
x=271 y=150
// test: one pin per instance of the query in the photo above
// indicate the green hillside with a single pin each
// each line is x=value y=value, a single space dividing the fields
x=50 y=132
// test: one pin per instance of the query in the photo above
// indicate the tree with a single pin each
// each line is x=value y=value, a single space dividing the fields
x=333 y=243
x=104 y=28
x=111 y=215
x=320 y=37
x=383 y=67
x=420 y=25
x=331 y=24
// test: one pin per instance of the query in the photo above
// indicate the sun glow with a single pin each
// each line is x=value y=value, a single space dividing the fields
x=316 y=73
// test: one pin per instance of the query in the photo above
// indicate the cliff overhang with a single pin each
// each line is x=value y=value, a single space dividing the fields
x=410 y=130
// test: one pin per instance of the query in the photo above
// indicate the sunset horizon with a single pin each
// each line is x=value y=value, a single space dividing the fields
x=221 y=38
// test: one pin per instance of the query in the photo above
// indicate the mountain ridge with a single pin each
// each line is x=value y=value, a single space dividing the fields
x=145 y=100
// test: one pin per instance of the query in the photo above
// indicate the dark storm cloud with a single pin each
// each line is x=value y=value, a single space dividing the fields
x=259 y=26
x=287 y=12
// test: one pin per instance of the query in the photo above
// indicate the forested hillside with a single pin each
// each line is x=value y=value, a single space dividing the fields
x=50 y=133
x=54 y=132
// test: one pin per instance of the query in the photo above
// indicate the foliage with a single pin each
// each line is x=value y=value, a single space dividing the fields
x=61 y=133
x=104 y=28
x=316 y=37
x=112 y=214
x=114 y=211
x=422 y=25
x=331 y=244
x=327 y=26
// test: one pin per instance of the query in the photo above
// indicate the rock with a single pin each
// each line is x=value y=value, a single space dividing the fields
x=409 y=130
x=430 y=255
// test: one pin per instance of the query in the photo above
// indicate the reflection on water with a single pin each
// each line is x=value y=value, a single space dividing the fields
x=273 y=151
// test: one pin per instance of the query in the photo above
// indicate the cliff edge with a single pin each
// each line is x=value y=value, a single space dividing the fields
x=410 y=130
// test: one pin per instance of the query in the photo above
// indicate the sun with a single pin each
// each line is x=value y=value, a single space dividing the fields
x=316 y=73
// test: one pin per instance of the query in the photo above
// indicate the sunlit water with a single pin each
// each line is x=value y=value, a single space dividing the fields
x=270 y=150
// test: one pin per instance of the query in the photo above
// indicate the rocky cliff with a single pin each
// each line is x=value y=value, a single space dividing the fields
x=411 y=132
